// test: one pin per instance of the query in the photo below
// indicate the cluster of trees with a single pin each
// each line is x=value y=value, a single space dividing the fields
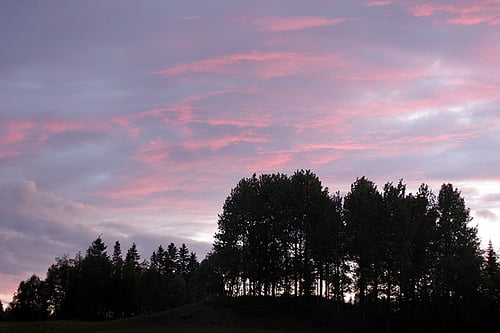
x=287 y=235
x=98 y=286
x=281 y=235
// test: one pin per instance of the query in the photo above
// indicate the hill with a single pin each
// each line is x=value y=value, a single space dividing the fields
x=258 y=315
x=244 y=314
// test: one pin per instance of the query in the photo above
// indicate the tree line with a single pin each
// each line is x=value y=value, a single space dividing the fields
x=388 y=249
x=413 y=254
x=97 y=286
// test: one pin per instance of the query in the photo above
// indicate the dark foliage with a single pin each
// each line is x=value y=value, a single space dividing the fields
x=97 y=287
x=398 y=256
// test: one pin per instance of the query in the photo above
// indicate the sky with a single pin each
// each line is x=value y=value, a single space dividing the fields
x=134 y=119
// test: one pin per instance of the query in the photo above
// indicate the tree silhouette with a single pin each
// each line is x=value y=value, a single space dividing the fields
x=95 y=284
x=131 y=275
x=30 y=300
x=458 y=256
x=117 y=279
x=364 y=216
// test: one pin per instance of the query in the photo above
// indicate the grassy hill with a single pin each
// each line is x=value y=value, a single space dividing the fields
x=257 y=315
x=260 y=315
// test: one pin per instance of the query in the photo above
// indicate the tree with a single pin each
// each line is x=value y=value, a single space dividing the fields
x=231 y=235
x=157 y=259
x=458 y=256
x=171 y=260
x=192 y=265
x=364 y=216
x=491 y=276
x=397 y=237
x=30 y=301
x=338 y=270
x=62 y=287
x=208 y=280
x=117 y=259
x=183 y=260
x=118 y=287
x=415 y=279
x=96 y=282
x=272 y=235
x=131 y=275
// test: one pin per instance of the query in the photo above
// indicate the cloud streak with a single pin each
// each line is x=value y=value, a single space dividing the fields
x=263 y=65
x=281 y=24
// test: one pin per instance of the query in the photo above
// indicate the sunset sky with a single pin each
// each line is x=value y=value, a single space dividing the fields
x=134 y=119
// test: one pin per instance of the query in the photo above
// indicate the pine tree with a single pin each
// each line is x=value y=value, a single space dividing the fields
x=131 y=275
x=96 y=282
x=183 y=260
x=171 y=259
x=491 y=284
x=117 y=302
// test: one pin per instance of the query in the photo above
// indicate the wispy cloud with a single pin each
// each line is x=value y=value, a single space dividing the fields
x=280 y=24
x=463 y=14
x=261 y=64
x=378 y=3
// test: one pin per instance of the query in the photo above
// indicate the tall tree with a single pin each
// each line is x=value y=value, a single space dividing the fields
x=118 y=287
x=364 y=216
x=415 y=279
x=271 y=234
x=231 y=236
x=458 y=256
x=131 y=275
x=396 y=237
x=337 y=270
x=62 y=287
x=491 y=283
x=95 y=283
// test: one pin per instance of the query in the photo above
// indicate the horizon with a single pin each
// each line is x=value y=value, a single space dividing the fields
x=136 y=121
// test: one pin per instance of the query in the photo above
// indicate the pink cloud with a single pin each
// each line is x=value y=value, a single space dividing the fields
x=378 y=3
x=59 y=126
x=418 y=140
x=481 y=12
x=158 y=151
x=137 y=188
x=219 y=143
x=260 y=64
x=279 y=24
x=424 y=10
x=155 y=151
x=342 y=146
x=472 y=19
x=268 y=162
x=427 y=9
x=15 y=132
